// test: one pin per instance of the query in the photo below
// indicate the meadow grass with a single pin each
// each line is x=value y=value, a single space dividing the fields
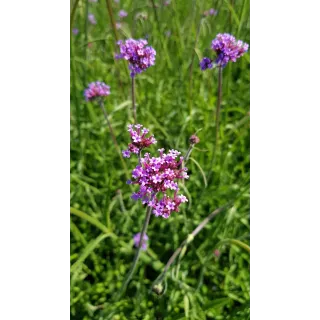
x=104 y=218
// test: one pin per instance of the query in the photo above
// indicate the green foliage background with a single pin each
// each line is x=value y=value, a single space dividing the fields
x=104 y=217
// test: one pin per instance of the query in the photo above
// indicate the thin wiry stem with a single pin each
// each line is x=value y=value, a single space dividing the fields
x=218 y=106
x=156 y=14
x=137 y=255
x=184 y=245
x=219 y=99
x=192 y=61
x=101 y=104
x=113 y=25
x=134 y=110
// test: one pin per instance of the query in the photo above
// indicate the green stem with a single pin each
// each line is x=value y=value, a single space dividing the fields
x=218 y=106
x=73 y=12
x=134 y=110
x=216 y=145
x=113 y=137
x=113 y=25
x=137 y=255
x=192 y=60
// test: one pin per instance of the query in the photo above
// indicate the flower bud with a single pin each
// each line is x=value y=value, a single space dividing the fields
x=194 y=139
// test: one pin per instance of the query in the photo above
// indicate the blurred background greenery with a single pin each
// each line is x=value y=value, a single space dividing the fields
x=174 y=100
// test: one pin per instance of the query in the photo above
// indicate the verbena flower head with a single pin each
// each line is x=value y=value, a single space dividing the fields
x=92 y=19
x=95 y=90
x=139 y=140
x=122 y=13
x=75 y=31
x=139 y=56
x=136 y=240
x=227 y=49
x=159 y=175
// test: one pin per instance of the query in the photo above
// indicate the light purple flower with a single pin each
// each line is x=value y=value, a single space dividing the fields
x=91 y=18
x=139 y=140
x=137 y=54
x=75 y=31
x=95 y=90
x=213 y=12
x=136 y=240
x=228 y=48
x=122 y=14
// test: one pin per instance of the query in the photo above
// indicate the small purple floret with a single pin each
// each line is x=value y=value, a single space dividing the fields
x=122 y=13
x=92 y=19
x=206 y=63
x=136 y=240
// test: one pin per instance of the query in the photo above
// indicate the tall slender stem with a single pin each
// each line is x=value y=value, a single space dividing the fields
x=113 y=137
x=219 y=99
x=109 y=124
x=218 y=106
x=113 y=25
x=133 y=102
x=192 y=60
x=137 y=255
x=156 y=15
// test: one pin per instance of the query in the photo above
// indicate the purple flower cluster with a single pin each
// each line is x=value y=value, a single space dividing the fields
x=122 y=14
x=91 y=18
x=95 y=90
x=210 y=12
x=139 y=140
x=136 y=240
x=155 y=175
x=139 y=56
x=227 y=49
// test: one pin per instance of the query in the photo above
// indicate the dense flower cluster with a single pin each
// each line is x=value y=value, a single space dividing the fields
x=136 y=240
x=227 y=49
x=158 y=175
x=95 y=90
x=122 y=14
x=139 y=140
x=139 y=56
x=92 y=19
